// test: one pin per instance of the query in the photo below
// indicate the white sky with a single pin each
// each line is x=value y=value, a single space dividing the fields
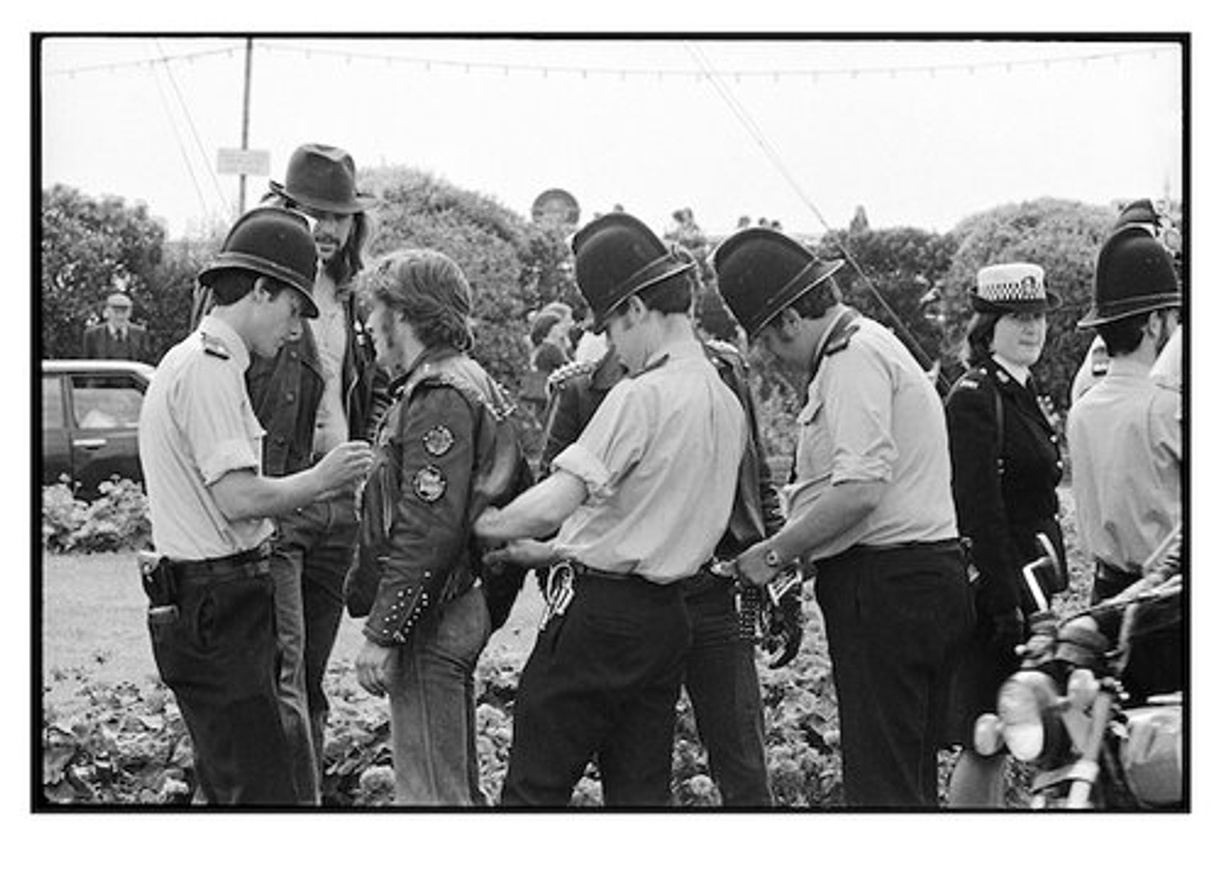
x=914 y=147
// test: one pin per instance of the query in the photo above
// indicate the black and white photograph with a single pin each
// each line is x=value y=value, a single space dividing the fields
x=681 y=423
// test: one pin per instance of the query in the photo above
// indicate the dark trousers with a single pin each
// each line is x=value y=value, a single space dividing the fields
x=219 y=658
x=602 y=680
x=723 y=685
x=896 y=621
x=1109 y=581
x=316 y=544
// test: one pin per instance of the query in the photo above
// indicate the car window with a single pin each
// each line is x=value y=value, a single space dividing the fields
x=106 y=401
x=52 y=402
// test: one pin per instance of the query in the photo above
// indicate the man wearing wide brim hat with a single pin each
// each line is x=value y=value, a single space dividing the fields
x=1125 y=433
x=640 y=500
x=211 y=510
x=321 y=389
x=870 y=510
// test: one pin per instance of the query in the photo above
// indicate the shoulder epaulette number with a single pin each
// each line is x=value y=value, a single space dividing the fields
x=214 y=346
x=839 y=342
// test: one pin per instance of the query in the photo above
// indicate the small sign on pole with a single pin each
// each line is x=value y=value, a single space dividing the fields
x=243 y=162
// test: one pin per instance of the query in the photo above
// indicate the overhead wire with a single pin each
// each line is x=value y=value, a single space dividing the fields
x=186 y=160
x=761 y=139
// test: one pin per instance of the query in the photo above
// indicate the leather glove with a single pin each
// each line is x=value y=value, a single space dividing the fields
x=1008 y=630
x=785 y=628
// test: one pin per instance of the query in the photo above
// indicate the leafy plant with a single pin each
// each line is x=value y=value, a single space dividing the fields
x=117 y=519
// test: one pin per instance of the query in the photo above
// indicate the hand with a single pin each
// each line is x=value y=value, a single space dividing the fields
x=1009 y=630
x=753 y=567
x=524 y=552
x=373 y=667
x=345 y=466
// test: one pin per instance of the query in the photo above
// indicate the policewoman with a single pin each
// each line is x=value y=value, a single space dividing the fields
x=870 y=513
x=444 y=451
x=1006 y=466
x=211 y=614
x=640 y=499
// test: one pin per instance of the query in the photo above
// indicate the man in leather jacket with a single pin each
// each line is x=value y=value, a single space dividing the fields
x=721 y=679
x=322 y=387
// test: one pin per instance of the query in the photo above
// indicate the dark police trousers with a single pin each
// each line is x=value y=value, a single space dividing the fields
x=723 y=684
x=602 y=680
x=896 y=620
x=219 y=658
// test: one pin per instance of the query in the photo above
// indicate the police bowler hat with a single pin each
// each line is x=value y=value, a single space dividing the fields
x=1135 y=274
x=323 y=178
x=274 y=242
x=618 y=256
x=760 y=271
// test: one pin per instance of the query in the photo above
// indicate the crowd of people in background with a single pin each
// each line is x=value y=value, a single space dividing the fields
x=324 y=440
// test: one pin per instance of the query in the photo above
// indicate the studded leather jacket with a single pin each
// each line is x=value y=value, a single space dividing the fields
x=445 y=451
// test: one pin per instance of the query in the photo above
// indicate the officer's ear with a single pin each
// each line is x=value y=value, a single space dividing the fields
x=787 y=323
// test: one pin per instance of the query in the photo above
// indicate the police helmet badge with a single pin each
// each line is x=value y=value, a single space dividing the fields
x=428 y=484
x=438 y=440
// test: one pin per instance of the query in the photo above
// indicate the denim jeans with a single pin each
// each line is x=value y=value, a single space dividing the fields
x=313 y=549
x=723 y=685
x=432 y=706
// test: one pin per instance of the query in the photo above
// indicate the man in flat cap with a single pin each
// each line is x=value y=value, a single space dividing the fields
x=640 y=500
x=117 y=337
x=1125 y=434
x=211 y=603
x=870 y=512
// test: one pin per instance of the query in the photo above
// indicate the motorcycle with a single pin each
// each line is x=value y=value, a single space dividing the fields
x=1097 y=705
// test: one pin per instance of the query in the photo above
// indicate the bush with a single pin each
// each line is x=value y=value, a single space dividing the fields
x=116 y=520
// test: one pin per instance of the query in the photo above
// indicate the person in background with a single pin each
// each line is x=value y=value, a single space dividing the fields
x=212 y=613
x=1125 y=434
x=640 y=500
x=549 y=336
x=117 y=337
x=1006 y=467
x=870 y=511
x=320 y=389
x=444 y=450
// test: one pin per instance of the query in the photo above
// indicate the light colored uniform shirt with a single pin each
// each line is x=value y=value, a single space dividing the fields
x=1125 y=440
x=331 y=333
x=197 y=425
x=873 y=416
x=660 y=461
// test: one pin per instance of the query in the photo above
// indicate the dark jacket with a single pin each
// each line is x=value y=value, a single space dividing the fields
x=1004 y=484
x=445 y=451
x=285 y=391
x=98 y=343
x=578 y=389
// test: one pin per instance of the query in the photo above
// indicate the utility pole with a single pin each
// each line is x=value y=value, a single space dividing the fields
x=241 y=180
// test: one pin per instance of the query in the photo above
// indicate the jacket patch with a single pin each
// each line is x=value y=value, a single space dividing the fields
x=438 y=440
x=428 y=484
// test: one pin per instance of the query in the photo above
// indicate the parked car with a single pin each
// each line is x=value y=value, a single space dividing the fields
x=90 y=413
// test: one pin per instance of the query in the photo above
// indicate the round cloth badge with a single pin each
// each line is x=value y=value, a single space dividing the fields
x=428 y=484
x=438 y=440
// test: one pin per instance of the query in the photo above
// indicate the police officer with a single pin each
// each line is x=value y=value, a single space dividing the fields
x=1125 y=434
x=870 y=508
x=212 y=617
x=1006 y=467
x=643 y=495
x=721 y=678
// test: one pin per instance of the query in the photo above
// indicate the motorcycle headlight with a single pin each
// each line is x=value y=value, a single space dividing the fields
x=1022 y=704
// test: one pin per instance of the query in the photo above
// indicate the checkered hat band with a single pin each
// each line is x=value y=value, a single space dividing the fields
x=1016 y=290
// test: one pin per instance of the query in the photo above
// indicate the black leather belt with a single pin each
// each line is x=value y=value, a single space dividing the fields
x=1112 y=576
x=946 y=545
x=251 y=562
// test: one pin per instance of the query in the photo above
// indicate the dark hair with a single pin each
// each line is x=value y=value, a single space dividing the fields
x=543 y=323
x=977 y=344
x=1122 y=337
x=430 y=291
x=815 y=302
x=670 y=296
x=234 y=283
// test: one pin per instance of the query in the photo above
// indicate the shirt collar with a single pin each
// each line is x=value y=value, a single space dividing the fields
x=676 y=350
x=1018 y=373
x=1126 y=365
x=220 y=329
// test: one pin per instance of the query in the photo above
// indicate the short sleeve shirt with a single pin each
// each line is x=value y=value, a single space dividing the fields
x=197 y=425
x=872 y=415
x=659 y=460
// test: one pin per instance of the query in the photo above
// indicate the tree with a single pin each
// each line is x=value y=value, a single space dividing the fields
x=1064 y=238
x=90 y=249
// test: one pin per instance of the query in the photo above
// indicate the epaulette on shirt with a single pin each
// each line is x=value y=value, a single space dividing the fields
x=571 y=370
x=839 y=342
x=214 y=346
